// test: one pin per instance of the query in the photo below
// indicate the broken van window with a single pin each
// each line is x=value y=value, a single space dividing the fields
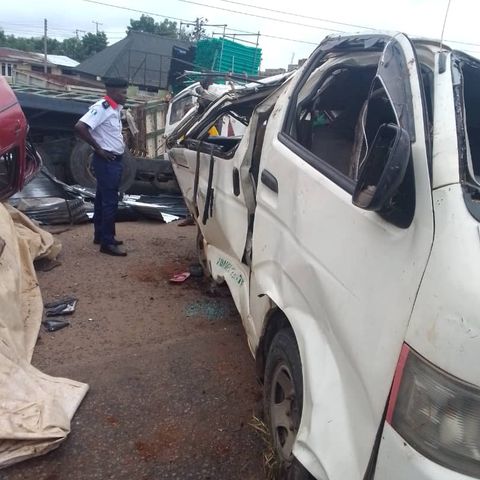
x=327 y=114
x=222 y=129
x=466 y=72
x=471 y=94
x=180 y=108
x=338 y=113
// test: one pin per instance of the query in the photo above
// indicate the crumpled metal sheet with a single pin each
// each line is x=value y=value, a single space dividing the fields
x=162 y=207
x=54 y=211
x=50 y=201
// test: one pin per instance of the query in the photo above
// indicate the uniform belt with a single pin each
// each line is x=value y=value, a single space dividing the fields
x=118 y=156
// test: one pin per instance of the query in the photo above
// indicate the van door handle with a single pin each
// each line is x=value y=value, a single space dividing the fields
x=236 y=182
x=269 y=180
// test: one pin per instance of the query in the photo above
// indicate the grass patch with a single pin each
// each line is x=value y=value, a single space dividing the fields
x=271 y=465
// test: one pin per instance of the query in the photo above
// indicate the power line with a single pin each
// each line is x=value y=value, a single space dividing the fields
x=299 y=16
x=35 y=26
x=245 y=31
x=136 y=11
x=189 y=21
x=35 y=33
x=261 y=16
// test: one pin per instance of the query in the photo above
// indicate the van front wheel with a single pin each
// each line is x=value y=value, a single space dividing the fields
x=283 y=397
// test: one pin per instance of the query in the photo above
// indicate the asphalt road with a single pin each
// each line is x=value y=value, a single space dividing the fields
x=172 y=382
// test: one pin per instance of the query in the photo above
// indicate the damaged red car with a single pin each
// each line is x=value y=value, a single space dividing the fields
x=19 y=161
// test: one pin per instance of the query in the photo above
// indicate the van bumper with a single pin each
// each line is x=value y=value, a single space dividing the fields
x=397 y=460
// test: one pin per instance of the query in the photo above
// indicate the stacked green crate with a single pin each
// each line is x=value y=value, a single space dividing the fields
x=222 y=55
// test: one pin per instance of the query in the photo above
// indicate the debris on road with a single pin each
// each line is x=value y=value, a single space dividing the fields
x=52 y=202
x=179 y=277
x=61 y=308
x=54 y=324
x=60 y=301
x=49 y=201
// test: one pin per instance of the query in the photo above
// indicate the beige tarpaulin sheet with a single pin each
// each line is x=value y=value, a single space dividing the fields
x=35 y=409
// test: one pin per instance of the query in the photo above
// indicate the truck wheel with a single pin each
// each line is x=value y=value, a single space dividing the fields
x=283 y=401
x=83 y=174
x=168 y=186
x=46 y=159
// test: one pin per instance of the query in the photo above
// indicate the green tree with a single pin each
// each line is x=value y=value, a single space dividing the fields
x=148 y=25
x=93 y=43
x=73 y=48
x=32 y=44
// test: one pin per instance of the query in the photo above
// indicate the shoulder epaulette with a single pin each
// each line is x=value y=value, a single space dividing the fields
x=105 y=104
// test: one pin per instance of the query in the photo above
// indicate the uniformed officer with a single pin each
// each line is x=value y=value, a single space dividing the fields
x=101 y=128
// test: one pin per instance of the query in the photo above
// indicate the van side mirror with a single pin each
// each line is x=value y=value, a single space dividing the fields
x=384 y=168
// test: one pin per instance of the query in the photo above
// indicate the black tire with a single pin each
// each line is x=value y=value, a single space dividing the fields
x=167 y=186
x=83 y=174
x=53 y=155
x=283 y=402
x=46 y=159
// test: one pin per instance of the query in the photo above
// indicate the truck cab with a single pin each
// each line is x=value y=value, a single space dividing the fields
x=345 y=222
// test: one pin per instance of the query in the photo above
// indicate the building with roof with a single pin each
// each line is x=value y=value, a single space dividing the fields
x=13 y=61
x=150 y=62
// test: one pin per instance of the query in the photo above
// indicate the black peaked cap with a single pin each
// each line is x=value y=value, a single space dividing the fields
x=115 y=82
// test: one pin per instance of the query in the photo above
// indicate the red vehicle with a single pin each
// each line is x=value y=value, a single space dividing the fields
x=19 y=161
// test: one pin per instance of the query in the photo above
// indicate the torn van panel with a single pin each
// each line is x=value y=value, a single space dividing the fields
x=194 y=116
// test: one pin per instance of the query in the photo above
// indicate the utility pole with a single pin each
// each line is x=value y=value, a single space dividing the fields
x=45 y=69
x=198 y=26
x=96 y=25
x=77 y=31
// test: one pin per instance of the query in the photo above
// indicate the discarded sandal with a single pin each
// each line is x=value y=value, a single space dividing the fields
x=180 y=277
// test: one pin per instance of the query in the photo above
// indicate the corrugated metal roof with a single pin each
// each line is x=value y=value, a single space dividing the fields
x=142 y=58
x=60 y=60
x=19 y=56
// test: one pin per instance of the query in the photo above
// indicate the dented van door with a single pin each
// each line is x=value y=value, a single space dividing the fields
x=345 y=277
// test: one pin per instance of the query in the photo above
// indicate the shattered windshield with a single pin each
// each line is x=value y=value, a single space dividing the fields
x=466 y=76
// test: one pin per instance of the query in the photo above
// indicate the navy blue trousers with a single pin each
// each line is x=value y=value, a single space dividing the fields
x=108 y=174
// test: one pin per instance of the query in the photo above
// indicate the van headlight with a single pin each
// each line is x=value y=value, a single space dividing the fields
x=437 y=414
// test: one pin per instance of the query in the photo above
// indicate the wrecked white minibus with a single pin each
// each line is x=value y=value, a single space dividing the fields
x=345 y=222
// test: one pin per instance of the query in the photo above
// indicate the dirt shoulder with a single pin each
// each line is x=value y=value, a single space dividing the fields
x=172 y=382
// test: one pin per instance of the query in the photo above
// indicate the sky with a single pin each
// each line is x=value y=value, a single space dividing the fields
x=289 y=30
